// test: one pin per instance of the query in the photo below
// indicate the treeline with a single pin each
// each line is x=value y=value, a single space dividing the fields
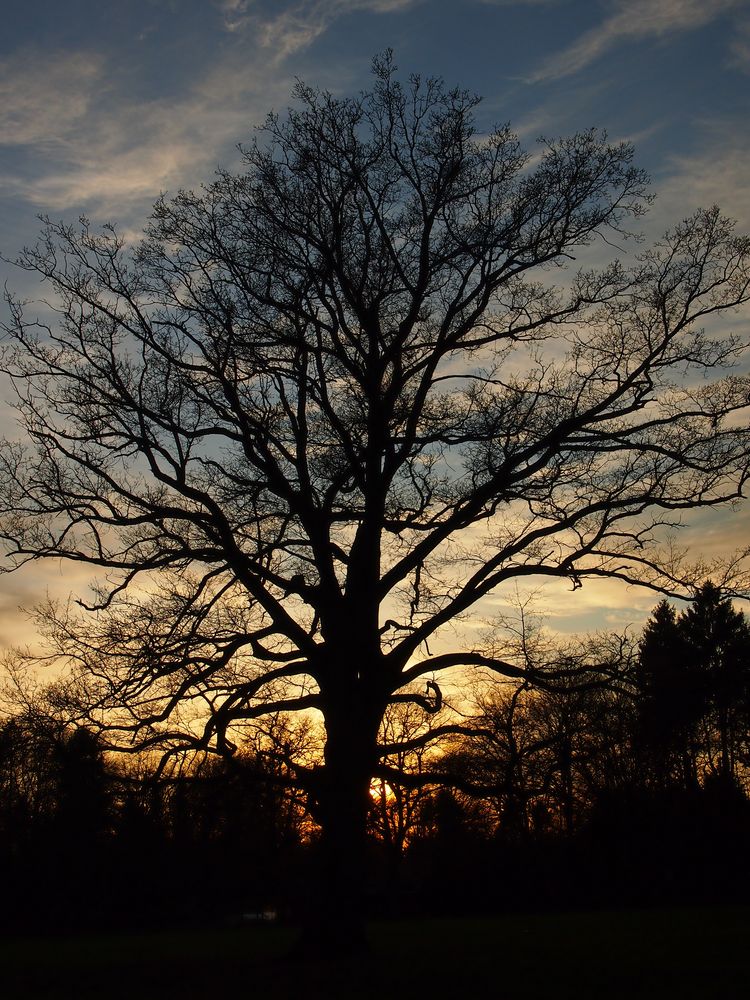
x=628 y=790
x=86 y=838
x=623 y=789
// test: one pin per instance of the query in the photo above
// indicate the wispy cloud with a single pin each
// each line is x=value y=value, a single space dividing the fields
x=716 y=175
x=632 y=20
x=43 y=96
x=517 y=3
x=285 y=29
x=739 y=48
x=110 y=154
x=26 y=588
x=234 y=13
x=95 y=148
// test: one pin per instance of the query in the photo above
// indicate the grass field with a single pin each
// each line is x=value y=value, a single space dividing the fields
x=664 y=954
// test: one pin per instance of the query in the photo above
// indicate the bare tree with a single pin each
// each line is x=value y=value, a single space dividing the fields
x=331 y=403
x=407 y=749
x=540 y=756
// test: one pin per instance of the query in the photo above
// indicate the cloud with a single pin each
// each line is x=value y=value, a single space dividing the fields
x=517 y=3
x=107 y=181
x=43 y=96
x=739 y=48
x=234 y=13
x=715 y=175
x=28 y=587
x=74 y=139
x=632 y=20
x=293 y=27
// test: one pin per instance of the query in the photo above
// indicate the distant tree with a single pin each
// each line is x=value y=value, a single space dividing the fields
x=53 y=775
x=695 y=689
x=25 y=793
x=571 y=727
x=331 y=403
x=717 y=645
x=501 y=758
x=670 y=701
x=541 y=757
x=56 y=811
x=405 y=781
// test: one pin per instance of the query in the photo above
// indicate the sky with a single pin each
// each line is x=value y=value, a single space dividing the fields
x=103 y=106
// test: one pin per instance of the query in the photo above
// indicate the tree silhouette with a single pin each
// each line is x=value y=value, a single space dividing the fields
x=407 y=752
x=331 y=403
x=718 y=644
x=694 y=679
x=56 y=811
x=540 y=757
x=670 y=701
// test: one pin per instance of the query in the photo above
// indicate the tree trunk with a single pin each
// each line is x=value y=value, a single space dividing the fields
x=336 y=922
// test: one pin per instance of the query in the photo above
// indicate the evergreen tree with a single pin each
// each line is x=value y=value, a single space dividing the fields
x=694 y=680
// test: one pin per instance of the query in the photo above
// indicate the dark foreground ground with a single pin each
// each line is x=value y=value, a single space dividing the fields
x=682 y=953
